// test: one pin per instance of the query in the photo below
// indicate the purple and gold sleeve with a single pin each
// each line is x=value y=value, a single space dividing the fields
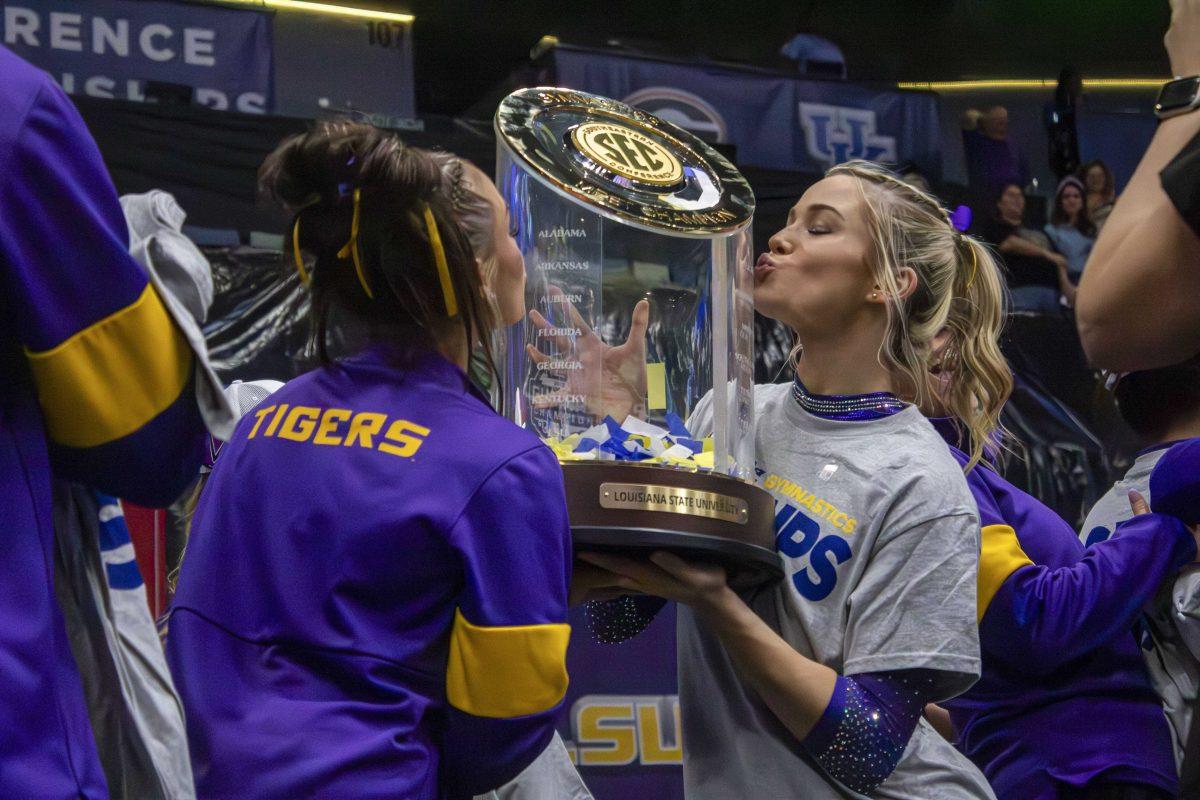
x=506 y=675
x=1036 y=618
x=110 y=368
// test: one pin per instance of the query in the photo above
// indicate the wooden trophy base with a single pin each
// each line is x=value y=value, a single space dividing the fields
x=633 y=510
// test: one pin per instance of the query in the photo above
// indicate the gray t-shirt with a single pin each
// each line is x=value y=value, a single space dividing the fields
x=879 y=536
x=1114 y=506
x=1172 y=644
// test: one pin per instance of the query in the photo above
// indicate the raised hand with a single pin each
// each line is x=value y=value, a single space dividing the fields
x=611 y=378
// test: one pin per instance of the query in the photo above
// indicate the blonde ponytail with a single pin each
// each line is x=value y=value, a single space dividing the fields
x=959 y=288
x=981 y=379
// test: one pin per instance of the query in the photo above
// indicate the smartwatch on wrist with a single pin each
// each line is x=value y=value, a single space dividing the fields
x=1178 y=97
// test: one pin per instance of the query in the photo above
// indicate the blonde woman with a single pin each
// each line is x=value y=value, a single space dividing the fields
x=814 y=687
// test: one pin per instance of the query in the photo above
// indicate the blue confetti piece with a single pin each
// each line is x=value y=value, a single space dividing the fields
x=615 y=431
x=619 y=453
x=614 y=448
x=676 y=427
x=586 y=446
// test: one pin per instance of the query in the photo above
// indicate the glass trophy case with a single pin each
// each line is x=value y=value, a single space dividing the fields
x=635 y=360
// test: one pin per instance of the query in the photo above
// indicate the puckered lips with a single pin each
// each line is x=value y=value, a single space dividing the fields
x=763 y=268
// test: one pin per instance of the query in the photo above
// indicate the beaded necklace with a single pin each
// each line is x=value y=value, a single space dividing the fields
x=847 y=407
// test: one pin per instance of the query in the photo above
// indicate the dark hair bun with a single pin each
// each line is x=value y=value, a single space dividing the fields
x=377 y=222
x=325 y=163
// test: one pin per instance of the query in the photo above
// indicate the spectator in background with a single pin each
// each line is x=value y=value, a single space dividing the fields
x=1070 y=230
x=1036 y=275
x=1138 y=301
x=1101 y=194
x=992 y=160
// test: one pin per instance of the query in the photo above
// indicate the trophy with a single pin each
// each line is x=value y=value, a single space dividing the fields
x=634 y=362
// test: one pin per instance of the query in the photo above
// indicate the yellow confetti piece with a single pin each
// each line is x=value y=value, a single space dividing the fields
x=564 y=449
x=656 y=386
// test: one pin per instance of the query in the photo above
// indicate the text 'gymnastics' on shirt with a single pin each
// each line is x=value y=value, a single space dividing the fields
x=820 y=507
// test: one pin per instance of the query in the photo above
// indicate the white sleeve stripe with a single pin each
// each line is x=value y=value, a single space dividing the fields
x=118 y=555
x=110 y=512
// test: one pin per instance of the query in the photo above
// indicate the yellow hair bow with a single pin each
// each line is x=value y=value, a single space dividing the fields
x=296 y=252
x=439 y=257
x=350 y=248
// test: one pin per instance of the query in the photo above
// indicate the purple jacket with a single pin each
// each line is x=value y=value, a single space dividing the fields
x=374 y=596
x=94 y=386
x=1063 y=697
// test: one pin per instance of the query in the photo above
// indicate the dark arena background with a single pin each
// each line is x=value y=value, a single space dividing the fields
x=971 y=101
